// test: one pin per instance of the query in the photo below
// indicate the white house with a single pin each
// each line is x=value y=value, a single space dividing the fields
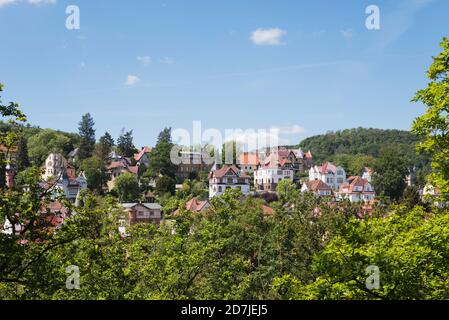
x=318 y=188
x=267 y=177
x=367 y=174
x=328 y=173
x=228 y=178
x=60 y=175
x=55 y=166
x=356 y=189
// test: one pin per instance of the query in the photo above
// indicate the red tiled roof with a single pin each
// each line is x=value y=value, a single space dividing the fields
x=134 y=169
x=117 y=164
x=249 y=159
x=317 y=185
x=309 y=155
x=142 y=152
x=54 y=207
x=195 y=205
x=223 y=171
x=328 y=167
x=275 y=162
x=348 y=187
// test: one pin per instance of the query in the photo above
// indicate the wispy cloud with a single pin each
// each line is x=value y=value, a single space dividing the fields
x=268 y=37
x=168 y=60
x=131 y=81
x=347 y=34
x=38 y=2
x=4 y=3
x=145 y=60
x=398 y=22
x=283 y=69
x=289 y=130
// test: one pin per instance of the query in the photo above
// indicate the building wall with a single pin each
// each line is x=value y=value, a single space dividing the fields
x=268 y=178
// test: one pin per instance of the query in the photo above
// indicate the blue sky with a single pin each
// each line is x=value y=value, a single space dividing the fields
x=310 y=66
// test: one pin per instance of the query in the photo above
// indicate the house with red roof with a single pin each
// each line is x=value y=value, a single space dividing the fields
x=271 y=172
x=249 y=162
x=52 y=217
x=196 y=206
x=301 y=161
x=328 y=173
x=318 y=188
x=135 y=213
x=141 y=157
x=228 y=177
x=118 y=168
x=356 y=189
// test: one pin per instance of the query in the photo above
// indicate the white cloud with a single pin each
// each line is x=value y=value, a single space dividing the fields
x=4 y=3
x=145 y=60
x=132 y=80
x=168 y=60
x=38 y=2
x=294 y=129
x=268 y=37
x=347 y=34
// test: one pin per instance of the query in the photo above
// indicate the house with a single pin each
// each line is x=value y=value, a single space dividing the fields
x=141 y=158
x=268 y=175
x=53 y=216
x=301 y=161
x=118 y=168
x=228 y=177
x=328 y=173
x=249 y=162
x=431 y=194
x=356 y=189
x=115 y=156
x=367 y=174
x=317 y=187
x=196 y=206
x=431 y=191
x=55 y=166
x=73 y=155
x=193 y=163
x=134 y=213
x=60 y=175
